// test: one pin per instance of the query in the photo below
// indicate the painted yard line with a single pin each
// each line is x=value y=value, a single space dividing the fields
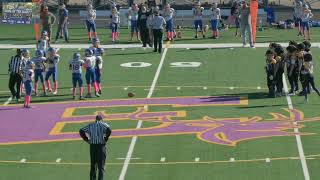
x=125 y=158
x=23 y=160
x=134 y=139
x=315 y=156
x=58 y=160
x=296 y=130
x=8 y=101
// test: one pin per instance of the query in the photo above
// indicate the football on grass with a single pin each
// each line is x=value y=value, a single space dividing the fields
x=131 y=94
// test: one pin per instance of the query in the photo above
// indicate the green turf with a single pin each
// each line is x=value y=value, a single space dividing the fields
x=242 y=69
x=11 y=34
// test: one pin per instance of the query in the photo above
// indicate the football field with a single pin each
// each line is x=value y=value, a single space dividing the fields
x=197 y=114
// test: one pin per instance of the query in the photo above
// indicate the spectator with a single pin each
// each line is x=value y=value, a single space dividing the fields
x=245 y=24
x=63 y=22
x=47 y=20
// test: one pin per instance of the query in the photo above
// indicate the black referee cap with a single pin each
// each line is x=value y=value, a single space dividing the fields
x=99 y=118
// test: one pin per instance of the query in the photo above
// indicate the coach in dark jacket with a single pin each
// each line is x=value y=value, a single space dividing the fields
x=96 y=134
x=15 y=79
x=142 y=25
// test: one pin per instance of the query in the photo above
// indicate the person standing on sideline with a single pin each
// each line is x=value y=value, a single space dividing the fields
x=115 y=21
x=48 y=20
x=63 y=23
x=15 y=72
x=96 y=134
x=305 y=19
x=168 y=16
x=158 y=22
x=142 y=25
x=133 y=13
x=215 y=18
x=197 y=16
x=91 y=24
x=149 y=25
x=245 y=25
x=297 y=13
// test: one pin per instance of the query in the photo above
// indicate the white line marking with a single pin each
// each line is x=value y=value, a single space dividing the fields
x=8 y=101
x=196 y=159
x=149 y=89
x=163 y=159
x=297 y=134
x=23 y=160
x=58 y=160
x=268 y=160
x=125 y=158
x=134 y=138
x=232 y=159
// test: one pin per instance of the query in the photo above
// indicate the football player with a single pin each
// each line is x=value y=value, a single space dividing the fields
x=307 y=77
x=115 y=21
x=43 y=42
x=52 y=62
x=271 y=72
x=75 y=66
x=215 y=18
x=98 y=53
x=89 y=64
x=28 y=74
x=133 y=13
x=168 y=16
x=197 y=16
x=39 y=62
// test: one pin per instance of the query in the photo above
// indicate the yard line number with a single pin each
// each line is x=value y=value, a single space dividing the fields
x=173 y=64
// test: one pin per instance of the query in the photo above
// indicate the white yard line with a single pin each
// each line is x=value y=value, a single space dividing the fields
x=134 y=139
x=8 y=101
x=296 y=131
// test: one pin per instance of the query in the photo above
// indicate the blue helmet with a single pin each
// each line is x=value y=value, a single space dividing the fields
x=25 y=52
x=88 y=52
x=30 y=64
x=39 y=53
x=95 y=40
x=44 y=33
x=51 y=49
x=76 y=55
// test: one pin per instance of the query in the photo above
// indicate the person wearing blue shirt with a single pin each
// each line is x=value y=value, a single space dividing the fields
x=270 y=15
x=62 y=23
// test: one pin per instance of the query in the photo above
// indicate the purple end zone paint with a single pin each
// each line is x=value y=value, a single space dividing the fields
x=19 y=125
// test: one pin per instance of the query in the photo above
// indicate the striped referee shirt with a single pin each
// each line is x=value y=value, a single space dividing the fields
x=96 y=133
x=15 y=64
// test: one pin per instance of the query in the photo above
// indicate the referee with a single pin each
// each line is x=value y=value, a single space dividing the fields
x=96 y=134
x=15 y=75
